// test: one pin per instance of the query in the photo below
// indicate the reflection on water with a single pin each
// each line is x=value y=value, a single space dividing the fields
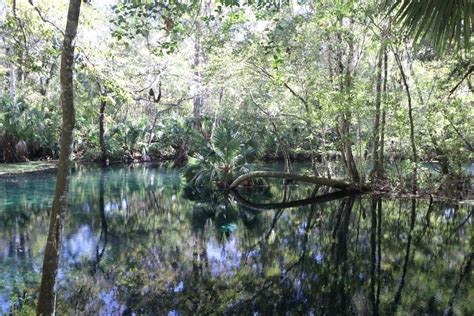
x=138 y=241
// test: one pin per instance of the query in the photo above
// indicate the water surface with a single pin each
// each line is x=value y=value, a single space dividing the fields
x=138 y=241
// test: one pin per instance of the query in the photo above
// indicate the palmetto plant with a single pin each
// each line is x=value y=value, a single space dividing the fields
x=129 y=135
x=225 y=156
x=441 y=21
x=29 y=123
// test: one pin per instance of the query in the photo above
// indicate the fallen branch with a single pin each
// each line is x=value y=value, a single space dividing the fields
x=333 y=183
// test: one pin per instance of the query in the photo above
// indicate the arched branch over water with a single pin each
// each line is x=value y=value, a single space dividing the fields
x=333 y=183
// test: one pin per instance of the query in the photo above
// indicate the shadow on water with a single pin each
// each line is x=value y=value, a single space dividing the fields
x=139 y=241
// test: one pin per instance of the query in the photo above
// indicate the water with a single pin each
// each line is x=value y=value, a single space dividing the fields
x=137 y=241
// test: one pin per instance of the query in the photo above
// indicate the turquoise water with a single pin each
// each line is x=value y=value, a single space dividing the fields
x=138 y=241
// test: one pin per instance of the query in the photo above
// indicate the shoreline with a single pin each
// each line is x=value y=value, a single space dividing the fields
x=30 y=167
x=12 y=169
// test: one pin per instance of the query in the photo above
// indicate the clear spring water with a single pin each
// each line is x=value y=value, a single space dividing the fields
x=137 y=241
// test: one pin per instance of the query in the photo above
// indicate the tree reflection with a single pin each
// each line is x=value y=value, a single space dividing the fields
x=100 y=249
x=376 y=253
x=155 y=247
x=401 y=284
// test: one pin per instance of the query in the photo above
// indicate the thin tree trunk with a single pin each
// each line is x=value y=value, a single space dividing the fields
x=412 y=125
x=344 y=128
x=197 y=77
x=103 y=147
x=345 y=84
x=378 y=100
x=283 y=145
x=12 y=77
x=103 y=220
x=339 y=299
x=384 y=112
x=406 y=263
x=46 y=301
x=373 y=255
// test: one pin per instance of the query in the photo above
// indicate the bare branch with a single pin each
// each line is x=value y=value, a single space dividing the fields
x=44 y=19
x=285 y=84
x=469 y=71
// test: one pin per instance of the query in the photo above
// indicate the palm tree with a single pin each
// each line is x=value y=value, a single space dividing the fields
x=440 y=21
x=226 y=156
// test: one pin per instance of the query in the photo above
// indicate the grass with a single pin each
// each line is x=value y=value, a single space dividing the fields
x=25 y=167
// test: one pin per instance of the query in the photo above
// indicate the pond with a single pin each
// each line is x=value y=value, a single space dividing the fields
x=138 y=241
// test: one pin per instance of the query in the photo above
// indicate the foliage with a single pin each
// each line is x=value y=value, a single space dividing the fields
x=442 y=22
x=33 y=123
x=283 y=75
x=225 y=157
x=177 y=138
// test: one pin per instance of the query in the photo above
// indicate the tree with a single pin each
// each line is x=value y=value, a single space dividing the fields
x=46 y=301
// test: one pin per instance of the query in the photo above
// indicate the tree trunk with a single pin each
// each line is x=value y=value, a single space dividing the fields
x=289 y=204
x=12 y=77
x=46 y=301
x=197 y=77
x=384 y=112
x=345 y=84
x=412 y=125
x=348 y=157
x=441 y=156
x=378 y=100
x=282 y=145
x=103 y=221
x=408 y=255
x=339 y=303
x=8 y=144
x=103 y=148
x=338 y=184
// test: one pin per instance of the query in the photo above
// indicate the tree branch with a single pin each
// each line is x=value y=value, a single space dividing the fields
x=44 y=19
x=469 y=71
x=285 y=84
x=338 y=184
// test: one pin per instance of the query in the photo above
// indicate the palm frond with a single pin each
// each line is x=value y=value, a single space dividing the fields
x=443 y=22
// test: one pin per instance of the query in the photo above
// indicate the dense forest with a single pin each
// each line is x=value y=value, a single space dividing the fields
x=368 y=95
x=195 y=83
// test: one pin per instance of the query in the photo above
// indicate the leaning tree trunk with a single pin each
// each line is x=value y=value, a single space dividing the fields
x=338 y=184
x=46 y=301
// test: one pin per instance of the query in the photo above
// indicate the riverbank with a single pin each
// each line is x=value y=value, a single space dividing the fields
x=461 y=191
x=9 y=169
